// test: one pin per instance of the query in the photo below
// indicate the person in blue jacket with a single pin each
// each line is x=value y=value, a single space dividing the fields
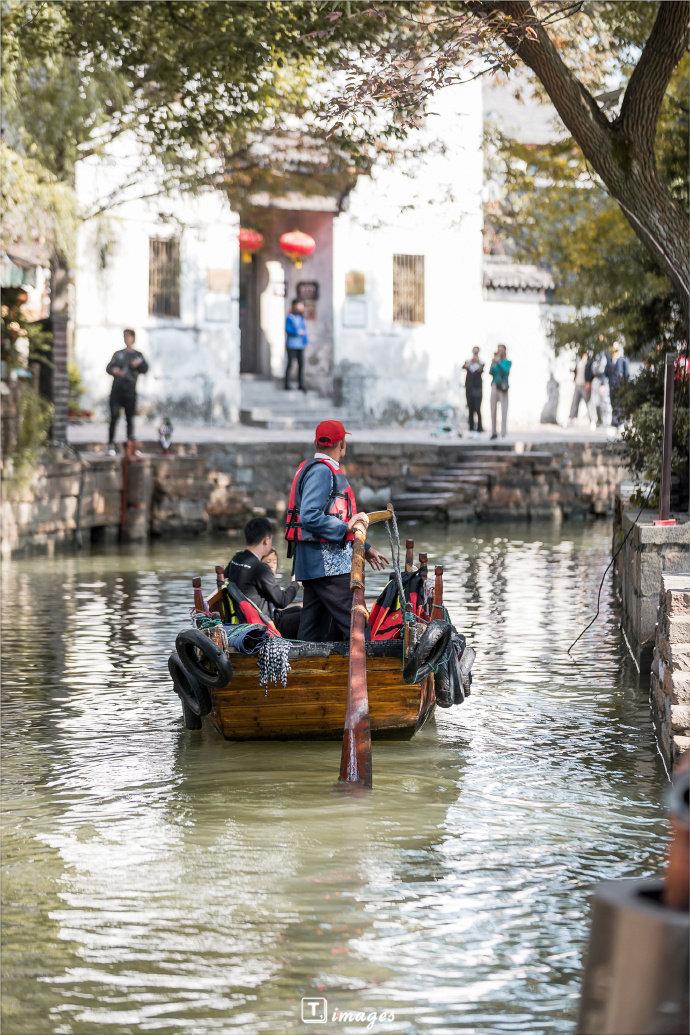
x=296 y=341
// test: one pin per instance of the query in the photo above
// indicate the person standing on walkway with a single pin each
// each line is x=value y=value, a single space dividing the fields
x=319 y=525
x=619 y=374
x=125 y=367
x=296 y=341
x=599 y=373
x=474 y=369
x=582 y=391
x=500 y=373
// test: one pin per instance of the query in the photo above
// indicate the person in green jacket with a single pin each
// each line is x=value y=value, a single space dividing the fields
x=500 y=372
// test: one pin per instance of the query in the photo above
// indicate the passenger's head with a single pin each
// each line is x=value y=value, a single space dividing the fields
x=329 y=437
x=475 y=351
x=129 y=336
x=502 y=351
x=271 y=559
x=297 y=306
x=258 y=533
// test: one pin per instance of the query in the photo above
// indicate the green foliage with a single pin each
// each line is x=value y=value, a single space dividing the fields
x=554 y=212
x=34 y=417
x=76 y=386
x=643 y=434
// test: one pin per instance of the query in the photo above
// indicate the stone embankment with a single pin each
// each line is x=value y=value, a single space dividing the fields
x=670 y=679
x=649 y=551
x=217 y=486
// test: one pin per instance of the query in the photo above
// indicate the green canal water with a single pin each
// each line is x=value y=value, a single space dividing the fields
x=156 y=880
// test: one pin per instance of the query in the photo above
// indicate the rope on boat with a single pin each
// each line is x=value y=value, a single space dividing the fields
x=204 y=622
x=273 y=663
x=394 y=539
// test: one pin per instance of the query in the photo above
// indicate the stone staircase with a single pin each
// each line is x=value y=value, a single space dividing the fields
x=458 y=491
x=266 y=404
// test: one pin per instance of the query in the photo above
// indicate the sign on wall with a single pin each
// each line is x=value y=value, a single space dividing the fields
x=355 y=283
x=219 y=281
x=308 y=291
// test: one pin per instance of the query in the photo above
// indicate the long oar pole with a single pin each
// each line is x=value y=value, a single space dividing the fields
x=355 y=758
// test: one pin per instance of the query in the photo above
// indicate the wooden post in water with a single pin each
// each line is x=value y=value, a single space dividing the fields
x=199 y=602
x=667 y=447
x=355 y=757
x=437 y=609
x=409 y=555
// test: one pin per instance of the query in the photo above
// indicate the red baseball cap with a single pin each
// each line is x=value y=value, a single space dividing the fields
x=329 y=433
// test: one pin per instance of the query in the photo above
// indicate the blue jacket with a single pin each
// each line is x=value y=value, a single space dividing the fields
x=296 y=334
x=314 y=560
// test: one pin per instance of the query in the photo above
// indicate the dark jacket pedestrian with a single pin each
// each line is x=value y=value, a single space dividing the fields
x=296 y=341
x=125 y=367
x=474 y=369
x=619 y=373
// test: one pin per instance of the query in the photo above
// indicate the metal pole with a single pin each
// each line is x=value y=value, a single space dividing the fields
x=665 y=494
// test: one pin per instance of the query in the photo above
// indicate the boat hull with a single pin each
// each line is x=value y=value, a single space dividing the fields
x=312 y=705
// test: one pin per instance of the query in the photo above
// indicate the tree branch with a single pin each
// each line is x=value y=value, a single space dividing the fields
x=517 y=24
x=645 y=92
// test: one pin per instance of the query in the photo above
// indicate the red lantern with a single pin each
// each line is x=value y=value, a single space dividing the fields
x=251 y=241
x=297 y=246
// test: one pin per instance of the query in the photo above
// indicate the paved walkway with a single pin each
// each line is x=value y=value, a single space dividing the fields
x=94 y=432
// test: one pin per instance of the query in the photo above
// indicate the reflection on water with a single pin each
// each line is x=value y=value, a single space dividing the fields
x=156 y=880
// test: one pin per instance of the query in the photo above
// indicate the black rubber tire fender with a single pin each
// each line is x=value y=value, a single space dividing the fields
x=429 y=652
x=195 y=697
x=191 y=721
x=207 y=663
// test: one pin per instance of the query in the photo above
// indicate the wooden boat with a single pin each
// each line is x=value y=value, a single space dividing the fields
x=312 y=705
x=314 y=702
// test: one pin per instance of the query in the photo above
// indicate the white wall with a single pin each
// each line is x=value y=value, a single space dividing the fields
x=193 y=359
x=524 y=326
x=428 y=206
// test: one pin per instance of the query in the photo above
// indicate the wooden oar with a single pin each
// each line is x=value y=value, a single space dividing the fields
x=355 y=759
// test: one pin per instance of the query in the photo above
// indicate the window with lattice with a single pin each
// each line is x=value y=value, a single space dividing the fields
x=408 y=288
x=164 y=276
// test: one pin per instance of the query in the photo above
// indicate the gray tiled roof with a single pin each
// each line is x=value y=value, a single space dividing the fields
x=500 y=272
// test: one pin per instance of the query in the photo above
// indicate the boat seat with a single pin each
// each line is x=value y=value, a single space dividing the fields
x=375 y=649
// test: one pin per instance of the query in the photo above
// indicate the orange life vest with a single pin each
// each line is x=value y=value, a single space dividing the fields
x=341 y=502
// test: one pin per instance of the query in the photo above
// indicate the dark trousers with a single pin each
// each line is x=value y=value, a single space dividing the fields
x=326 y=610
x=126 y=401
x=288 y=620
x=292 y=355
x=474 y=406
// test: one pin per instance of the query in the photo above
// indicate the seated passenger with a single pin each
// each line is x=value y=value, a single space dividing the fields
x=287 y=619
x=253 y=576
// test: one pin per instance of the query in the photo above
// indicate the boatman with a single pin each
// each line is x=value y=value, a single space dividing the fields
x=320 y=521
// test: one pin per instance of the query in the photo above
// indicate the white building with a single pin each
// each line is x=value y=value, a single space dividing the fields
x=398 y=289
x=166 y=265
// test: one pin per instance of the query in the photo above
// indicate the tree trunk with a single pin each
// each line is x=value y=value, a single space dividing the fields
x=620 y=152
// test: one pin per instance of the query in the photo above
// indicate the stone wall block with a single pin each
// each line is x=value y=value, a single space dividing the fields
x=677 y=628
x=649 y=567
x=676 y=602
x=680 y=718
